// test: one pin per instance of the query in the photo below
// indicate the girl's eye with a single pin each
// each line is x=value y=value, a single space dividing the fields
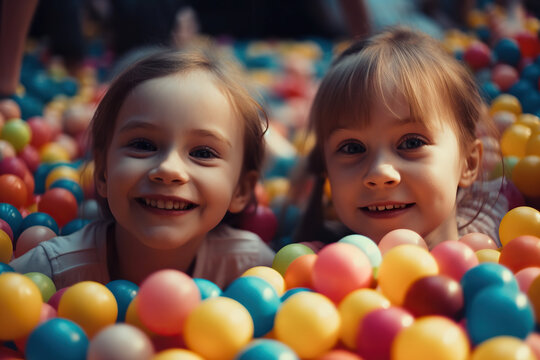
x=412 y=142
x=203 y=153
x=352 y=148
x=142 y=145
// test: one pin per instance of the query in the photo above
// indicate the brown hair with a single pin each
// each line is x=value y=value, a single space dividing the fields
x=397 y=61
x=228 y=76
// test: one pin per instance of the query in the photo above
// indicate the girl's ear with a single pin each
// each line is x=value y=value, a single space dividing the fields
x=473 y=164
x=101 y=185
x=244 y=191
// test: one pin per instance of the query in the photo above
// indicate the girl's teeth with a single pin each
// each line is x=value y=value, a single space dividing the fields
x=167 y=204
x=385 y=207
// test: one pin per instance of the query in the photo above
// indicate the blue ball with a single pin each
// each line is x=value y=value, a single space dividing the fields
x=12 y=216
x=507 y=51
x=39 y=218
x=287 y=294
x=531 y=73
x=520 y=89
x=266 y=349
x=489 y=91
x=5 y=268
x=73 y=226
x=485 y=275
x=40 y=176
x=530 y=102
x=57 y=339
x=260 y=299
x=499 y=311
x=207 y=288
x=124 y=291
x=71 y=186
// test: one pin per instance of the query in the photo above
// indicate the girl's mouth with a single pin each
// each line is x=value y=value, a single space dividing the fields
x=385 y=208
x=175 y=205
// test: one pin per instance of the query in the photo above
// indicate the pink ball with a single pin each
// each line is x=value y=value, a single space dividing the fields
x=31 y=157
x=526 y=276
x=5 y=226
x=454 y=258
x=165 y=299
x=54 y=300
x=378 y=329
x=339 y=269
x=533 y=340
x=400 y=237
x=41 y=132
x=31 y=237
x=503 y=119
x=477 y=55
x=262 y=222
x=504 y=76
x=13 y=165
x=478 y=241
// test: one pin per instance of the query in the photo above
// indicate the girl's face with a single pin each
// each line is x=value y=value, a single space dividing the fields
x=395 y=173
x=174 y=163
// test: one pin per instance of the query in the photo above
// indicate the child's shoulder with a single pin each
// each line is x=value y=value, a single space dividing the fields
x=225 y=239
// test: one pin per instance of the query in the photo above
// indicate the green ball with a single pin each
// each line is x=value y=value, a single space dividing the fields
x=17 y=132
x=44 y=283
x=287 y=254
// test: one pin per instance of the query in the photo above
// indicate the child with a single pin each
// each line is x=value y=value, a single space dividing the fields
x=395 y=121
x=177 y=147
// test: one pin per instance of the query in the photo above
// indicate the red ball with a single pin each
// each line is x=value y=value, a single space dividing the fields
x=41 y=132
x=13 y=190
x=60 y=203
x=504 y=76
x=13 y=165
x=30 y=187
x=262 y=222
x=521 y=252
x=528 y=44
x=477 y=55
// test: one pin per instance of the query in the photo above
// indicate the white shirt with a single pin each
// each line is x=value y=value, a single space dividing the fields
x=223 y=256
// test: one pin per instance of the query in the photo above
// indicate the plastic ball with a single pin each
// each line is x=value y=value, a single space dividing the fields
x=401 y=266
x=53 y=152
x=299 y=272
x=47 y=312
x=262 y=222
x=522 y=220
x=533 y=145
x=521 y=252
x=73 y=226
x=89 y=304
x=353 y=308
x=165 y=299
x=478 y=241
x=507 y=51
x=266 y=349
x=44 y=283
x=497 y=311
x=486 y=275
x=454 y=258
x=308 y=323
x=12 y=216
x=5 y=268
x=520 y=89
x=124 y=292
x=207 y=288
x=287 y=254
x=533 y=341
x=534 y=297
x=13 y=190
x=514 y=139
x=218 y=328
x=400 y=237
x=506 y=102
x=435 y=295
x=39 y=218
x=132 y=318
x=54 y=300
x=13 y=165
x=504 y=76
x=378 y=329
x=268 y=274
x=287 y=294
x=4 y=226
x=368 y=246
x=488 y=255
x=120 y=342
x=20 y=305
x=70 y=185
x=177 y=354
x=6 y=149
x=259 y=298
x=10 y=109
x=489 y=90
x=41 y=131
x=339 y=269
x=526 y=175
x=60 y=203
x=61 y=172
x=339 y=354
x=503 y=348
x=31 y=237
x=526 y=276
x=58 y=339
x=6 y=247
x=431 y=337
x=17 y=132
x=477 y=55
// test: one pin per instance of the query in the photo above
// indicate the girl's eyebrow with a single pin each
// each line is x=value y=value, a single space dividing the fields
x=210 y=134
x=136 y=124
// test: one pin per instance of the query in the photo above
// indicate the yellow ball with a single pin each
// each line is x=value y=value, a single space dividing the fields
x=352 y=310
x=218 y=328
x=53 y=152
x=522 y=220
x=309 y=323
x=506 y=102
x=530 y=120
x=533 y=145
x=62 y=172
x=20 y=305
x=431 y=337
x=133 y=318
x=514 y=140
x=89 y=304
x=503 y=348
x=272 y=276
x=6 y=247
x=401 y=266
x=177 y=354
x=476 y=18
x=488 y=255
x=526 y=175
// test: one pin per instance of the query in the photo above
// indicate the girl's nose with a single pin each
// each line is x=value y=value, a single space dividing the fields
x=382 y=174
x=171 y=170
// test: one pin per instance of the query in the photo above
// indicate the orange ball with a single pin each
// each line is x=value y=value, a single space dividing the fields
x=60 y=203
x=526 y=175
x=298 y=273
x=13 y=190
x=521 y=252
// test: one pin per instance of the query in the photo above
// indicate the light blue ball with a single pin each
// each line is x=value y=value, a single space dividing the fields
x=367 y=245
x=266 y=349
x=207 y=288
